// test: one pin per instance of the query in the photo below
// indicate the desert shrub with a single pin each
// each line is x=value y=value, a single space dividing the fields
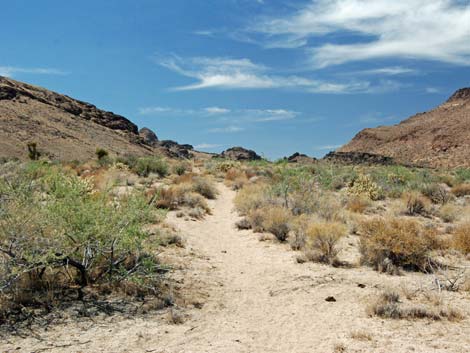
x=323 y=238
x=365 y=186
x=416 y=204
x=389 y=305
x=449 y=213
x=436 y=193
x=256 y=219
x=128 y=160
x=462 y=238
x=390 y=243
x=180 y=195
x=462 y=174
x=461 y=190
x=33 y=152
x=204 y=187
x=101 y=153
x=277 y=221
x=53 y=223
x=251 y=197
x=180 y=168
x=146 y=165
x=358 y=204
x=299 y=226
x=243 y=224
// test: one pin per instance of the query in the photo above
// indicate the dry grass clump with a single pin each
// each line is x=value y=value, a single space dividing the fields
x=461 y=190
x=416 y=204
x=199 y=184
x=204 y=187
x=390 y=243
x=180 y=195
x=462 y=238
x=236 y=179
x=251 y=197
x=277 y=221
x=256 y=220
x=322 y=239
x=449 y=213
x=390 y=306
x=358 y=204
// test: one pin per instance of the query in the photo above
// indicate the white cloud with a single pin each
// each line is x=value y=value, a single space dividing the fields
x=414 y=29
x=229 y=73
x=327 y=147
x=207 y=146
x=217 y=110
x=154 y=110
x=387 y=71
x=432 y=90
x=10 y=71
x=227 y=129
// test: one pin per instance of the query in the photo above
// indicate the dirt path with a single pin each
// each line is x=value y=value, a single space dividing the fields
x=261 y=300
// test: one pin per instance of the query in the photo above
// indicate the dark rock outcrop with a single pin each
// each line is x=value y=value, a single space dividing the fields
x=300 y=158
x=240 y=154
x=175 y=150
x=358 y=158
x=148 y=136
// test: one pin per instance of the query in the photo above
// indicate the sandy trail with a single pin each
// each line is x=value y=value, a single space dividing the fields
x=261 y=300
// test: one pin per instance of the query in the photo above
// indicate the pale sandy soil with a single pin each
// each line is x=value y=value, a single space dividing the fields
x=261 y=300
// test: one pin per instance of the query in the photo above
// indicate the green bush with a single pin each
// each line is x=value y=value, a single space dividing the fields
x=146 y=165
x=55 y=230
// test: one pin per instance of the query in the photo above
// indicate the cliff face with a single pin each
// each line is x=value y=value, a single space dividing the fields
x=438 y=138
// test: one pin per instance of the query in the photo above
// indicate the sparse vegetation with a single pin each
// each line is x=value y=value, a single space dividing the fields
x=392 y=243
x=323 y=238
x=462 y=238
x=146 y=165
x=58 y=233
x=277 y=221
x=390 y=306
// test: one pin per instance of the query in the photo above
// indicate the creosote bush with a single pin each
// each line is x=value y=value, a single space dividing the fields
x=392 y=243
x=57 y=233
x=462 y=238
x=146 y=165
x=416 y=204
x=323 y=238
x=277 y=221
x=461 y=190
x=437 y=193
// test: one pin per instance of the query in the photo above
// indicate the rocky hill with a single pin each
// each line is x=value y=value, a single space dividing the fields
x=65 y=128
x=438 y=138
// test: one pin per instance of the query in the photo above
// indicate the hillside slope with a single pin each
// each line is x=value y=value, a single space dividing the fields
x=65 y=128
x=438 y=138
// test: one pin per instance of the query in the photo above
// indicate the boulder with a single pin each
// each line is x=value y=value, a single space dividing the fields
x=149 y=137
x=240 y=154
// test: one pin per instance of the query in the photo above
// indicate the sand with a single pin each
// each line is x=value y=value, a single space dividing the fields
x=259 y=299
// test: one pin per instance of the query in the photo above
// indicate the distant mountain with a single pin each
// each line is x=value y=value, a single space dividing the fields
x=438 y=138
x=65 y=128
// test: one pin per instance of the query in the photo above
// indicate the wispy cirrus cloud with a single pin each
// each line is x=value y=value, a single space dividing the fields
x=224 y=114
x=436 y=30
x=216 y=110
x=208 y=146
x=386 y=71
x=226 y=129
x=10 y=71
x=327 y=147
x=230 y=73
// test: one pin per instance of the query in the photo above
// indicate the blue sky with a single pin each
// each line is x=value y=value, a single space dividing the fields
x=275 y=76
